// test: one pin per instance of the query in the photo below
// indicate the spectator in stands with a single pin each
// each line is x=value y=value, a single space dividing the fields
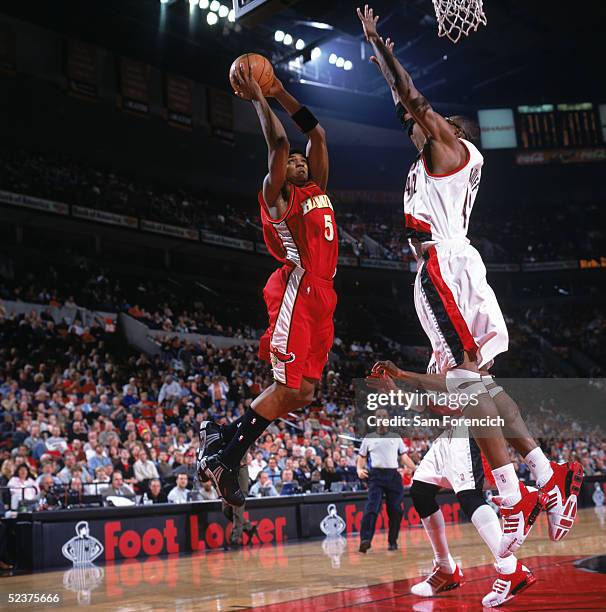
x=47 y=497
x=56 y=442
x=207 y=491
x=22 y=487
x=329 y=473
x=273 y=471
x=170 y=391
x=99 y=459
x=6 y=472
x=66 y=474
x=118 y=488
x=48 y=469
x=263 y=487
x=288 y=485
x=144 y=469
x=179 y=494
x=164 y=468
x=155 y=494
x=256 y=465
x=124 y=465
x=189 y=466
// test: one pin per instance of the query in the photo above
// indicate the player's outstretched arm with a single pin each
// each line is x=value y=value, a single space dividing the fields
x=447 y=151
x=317 y=151
x=273 y=130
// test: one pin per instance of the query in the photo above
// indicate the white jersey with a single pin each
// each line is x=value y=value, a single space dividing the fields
x=437 y=206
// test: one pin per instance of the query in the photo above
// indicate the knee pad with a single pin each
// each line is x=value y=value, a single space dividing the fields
x=424 y=498
x=494 y=389
x=463 y=384
x=470 y=501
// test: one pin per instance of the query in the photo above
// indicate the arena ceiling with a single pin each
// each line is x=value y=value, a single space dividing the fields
x=531 y=52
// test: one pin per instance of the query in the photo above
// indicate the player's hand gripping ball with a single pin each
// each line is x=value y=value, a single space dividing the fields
x=255 y=66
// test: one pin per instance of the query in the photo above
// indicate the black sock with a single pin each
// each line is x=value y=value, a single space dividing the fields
x=229 y=431
x=252 y=425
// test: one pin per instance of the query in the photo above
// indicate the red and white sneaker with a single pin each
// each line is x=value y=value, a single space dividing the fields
x=519 y=519
x=438 y=582
x=507 y=586
x=562 y=490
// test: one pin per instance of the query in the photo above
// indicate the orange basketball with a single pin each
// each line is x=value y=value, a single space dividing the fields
x=262 y=70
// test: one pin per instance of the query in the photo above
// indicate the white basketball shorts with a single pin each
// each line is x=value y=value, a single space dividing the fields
x=456 y=306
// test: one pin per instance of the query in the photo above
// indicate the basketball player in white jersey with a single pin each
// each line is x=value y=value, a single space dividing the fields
x=454 y=461
x=457 y=308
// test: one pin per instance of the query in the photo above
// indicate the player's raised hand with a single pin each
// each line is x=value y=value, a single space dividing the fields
x=369 y=22
x=246 y=85
x=386 y=368
x=388 y=47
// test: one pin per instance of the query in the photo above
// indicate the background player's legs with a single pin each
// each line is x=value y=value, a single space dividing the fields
x=487 y=524
x=517 y=433
x=424 y=499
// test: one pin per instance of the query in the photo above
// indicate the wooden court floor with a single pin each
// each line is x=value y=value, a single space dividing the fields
x=318 y=576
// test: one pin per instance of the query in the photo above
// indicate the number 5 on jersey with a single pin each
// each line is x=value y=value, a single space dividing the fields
x=329 y=230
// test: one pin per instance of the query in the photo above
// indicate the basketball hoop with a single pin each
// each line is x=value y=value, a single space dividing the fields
x=458 y=17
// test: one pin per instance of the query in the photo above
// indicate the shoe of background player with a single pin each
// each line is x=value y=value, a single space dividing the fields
x=562 y=490
x=392 y=546
x=519 y=519
x=507 y=586
x=211 y=442
x=364 y=546
x=223 y=478
x=438 y=582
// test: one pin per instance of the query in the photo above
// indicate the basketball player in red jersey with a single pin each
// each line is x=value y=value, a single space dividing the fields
x=300 y=232
x=459 y=311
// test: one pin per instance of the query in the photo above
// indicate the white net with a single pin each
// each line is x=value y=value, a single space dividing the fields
x=458 y=17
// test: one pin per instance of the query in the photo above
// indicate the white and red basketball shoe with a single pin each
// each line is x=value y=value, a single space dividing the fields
x=562 y=490
x=507 y=586
x=519 y=519
x=438 y=582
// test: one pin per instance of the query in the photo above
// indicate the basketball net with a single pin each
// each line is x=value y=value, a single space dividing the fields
x=458 y=17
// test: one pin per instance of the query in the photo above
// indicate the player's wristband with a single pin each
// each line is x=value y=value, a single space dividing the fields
x=305 y=119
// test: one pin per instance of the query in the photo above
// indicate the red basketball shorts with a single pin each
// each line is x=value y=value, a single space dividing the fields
x=301 y=329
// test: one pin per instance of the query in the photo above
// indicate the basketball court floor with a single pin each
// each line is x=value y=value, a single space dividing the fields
x=331 y=575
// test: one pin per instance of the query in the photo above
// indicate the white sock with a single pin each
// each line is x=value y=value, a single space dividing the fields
x=507 y=484
x=539 y=465
x=436 y=531
x=487 y=523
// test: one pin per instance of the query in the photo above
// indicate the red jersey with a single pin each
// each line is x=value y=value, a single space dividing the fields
x=306 y=234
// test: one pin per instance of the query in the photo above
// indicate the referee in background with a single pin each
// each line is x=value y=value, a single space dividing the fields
x=379 y=459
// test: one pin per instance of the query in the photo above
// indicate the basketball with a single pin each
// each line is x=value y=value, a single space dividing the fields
x=262 y=70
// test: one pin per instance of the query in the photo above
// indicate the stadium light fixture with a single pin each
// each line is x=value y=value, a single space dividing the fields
x=214 y=6
x=316 y=52
x=287 y=40
x=223 y=11
x=333 y=58
x=193 y=2
x=300 y=44
x=279 y=36
x=211 y=19
x=340 y=62
x=231 y=17
x=347 y=65
x=204 y=4
x=167 y=1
